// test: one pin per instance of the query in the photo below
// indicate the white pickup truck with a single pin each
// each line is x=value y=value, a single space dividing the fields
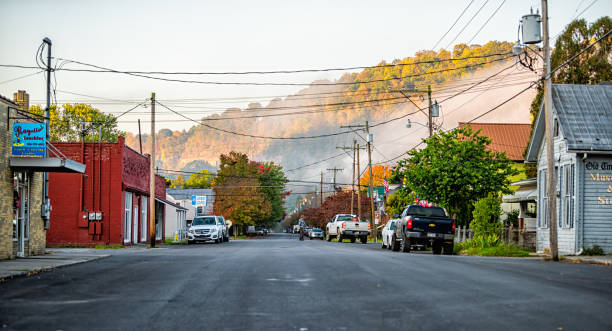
x=346 y=226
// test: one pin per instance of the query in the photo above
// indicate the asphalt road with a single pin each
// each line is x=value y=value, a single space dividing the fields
x=284 y=284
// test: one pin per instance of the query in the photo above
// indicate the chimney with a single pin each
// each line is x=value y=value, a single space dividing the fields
x=22 y=99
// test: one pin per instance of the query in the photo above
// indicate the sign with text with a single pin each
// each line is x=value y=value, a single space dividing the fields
x=28 y=139
x=198 y=200
x=600 y=174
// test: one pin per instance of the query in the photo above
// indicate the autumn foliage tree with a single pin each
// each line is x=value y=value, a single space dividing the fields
x=379 y=172
x=248 y=192
x=65 y=123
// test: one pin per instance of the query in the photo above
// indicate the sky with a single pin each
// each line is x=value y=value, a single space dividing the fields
x=219 y=36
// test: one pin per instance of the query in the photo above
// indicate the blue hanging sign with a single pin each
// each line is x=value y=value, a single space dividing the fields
x=28 y=139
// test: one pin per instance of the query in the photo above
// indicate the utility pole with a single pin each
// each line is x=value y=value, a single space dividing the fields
x=152 y=175
x=139 y=136
x=430 y=108
x=429 y=119
x=354 y=148
x=550 y=146
x=335 y=170
x=369 y=139
x=46 y=204
x=321 y=189
x=358 y=184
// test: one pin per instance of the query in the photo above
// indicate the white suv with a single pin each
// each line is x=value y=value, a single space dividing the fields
x=205 y=228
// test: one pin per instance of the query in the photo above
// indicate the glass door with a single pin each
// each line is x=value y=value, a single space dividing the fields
x=144 y=201
x=127 y=218
x=135 y=237
x=21 y=210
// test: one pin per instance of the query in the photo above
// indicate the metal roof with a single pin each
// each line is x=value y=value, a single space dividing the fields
x=187 y=193
x=509 y=138
x=584 y=113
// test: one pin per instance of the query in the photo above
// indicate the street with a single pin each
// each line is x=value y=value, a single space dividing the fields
x=281 y=283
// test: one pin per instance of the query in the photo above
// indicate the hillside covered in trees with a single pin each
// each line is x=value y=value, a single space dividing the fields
x=320 y=109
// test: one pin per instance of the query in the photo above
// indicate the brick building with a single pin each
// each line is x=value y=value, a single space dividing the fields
x=24 y=156
x=110 y=205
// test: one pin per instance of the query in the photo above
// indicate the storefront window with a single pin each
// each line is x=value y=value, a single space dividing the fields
x=143 y=219
x=127 y=218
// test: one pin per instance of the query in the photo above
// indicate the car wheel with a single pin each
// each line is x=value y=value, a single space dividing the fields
x=339 y=235
x=389 y=243
x=364 y=239
x=395 y=245
x=448 y=249
x=383 y=246
x=189 y=242
x=436 y=248
x=353 y=239
x=406 y=245
x=328 y=237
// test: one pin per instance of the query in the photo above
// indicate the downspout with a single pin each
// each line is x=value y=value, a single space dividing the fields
x=93 y=171
x=100 y=171
x=81 y=191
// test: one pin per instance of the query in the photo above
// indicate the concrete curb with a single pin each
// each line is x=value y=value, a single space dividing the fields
x=589 y=260
x=11 y=274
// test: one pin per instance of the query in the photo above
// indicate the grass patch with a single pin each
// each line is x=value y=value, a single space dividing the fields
x=68 y=246
x=500 y=250
x=170 y=241
x=596 y=250
x=115 y=246
x=488 y=246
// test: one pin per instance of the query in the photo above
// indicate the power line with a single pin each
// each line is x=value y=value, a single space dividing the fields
x=452 y=26
x=506 y=55
x=485 y=23
x=468 y=23
x=103 y=69
x=20 y=77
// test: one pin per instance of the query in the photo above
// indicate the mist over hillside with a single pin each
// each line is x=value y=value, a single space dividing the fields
x=368 y=95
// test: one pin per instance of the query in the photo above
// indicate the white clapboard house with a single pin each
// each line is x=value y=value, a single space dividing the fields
x=583 y=167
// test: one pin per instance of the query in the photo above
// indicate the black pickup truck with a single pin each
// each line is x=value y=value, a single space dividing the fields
x=426 y=226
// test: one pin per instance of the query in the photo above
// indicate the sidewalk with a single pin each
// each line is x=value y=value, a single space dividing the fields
x=52 y=259
x=603 y=260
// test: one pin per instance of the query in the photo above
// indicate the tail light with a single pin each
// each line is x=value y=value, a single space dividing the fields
x=453 y=226
x=343 y=225
x=409 y=223
x=369 y=226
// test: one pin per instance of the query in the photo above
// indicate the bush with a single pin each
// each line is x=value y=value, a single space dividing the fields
x=486 y=216
x=512 y=218
x=596 y=250
x=489 y=245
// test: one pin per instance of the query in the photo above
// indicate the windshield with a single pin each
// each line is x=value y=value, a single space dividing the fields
x=316 y=230
x=347 y=218
x=204 y=221
x=426 y=211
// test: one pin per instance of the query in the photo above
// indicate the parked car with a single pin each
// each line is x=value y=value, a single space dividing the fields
x=205 y=228
x=225 y=235
x=427 y=226
x=346 y=226
x=315 y=233
x=387 y=233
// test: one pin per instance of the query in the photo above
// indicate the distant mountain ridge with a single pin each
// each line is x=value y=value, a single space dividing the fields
x=366 y=95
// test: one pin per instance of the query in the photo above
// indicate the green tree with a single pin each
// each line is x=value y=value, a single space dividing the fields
x=456 y=169
x=248 y=192
x=200 y=179
x=68 y=123
x=592 y=67
x=486 y=216
x=178 y=182
x=397 y=201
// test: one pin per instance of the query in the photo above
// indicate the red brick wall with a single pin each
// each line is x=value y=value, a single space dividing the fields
x=121 y=169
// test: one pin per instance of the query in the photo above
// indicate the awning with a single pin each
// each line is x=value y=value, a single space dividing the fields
x=523 y=195
x=48 y=164
x=175 y=205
